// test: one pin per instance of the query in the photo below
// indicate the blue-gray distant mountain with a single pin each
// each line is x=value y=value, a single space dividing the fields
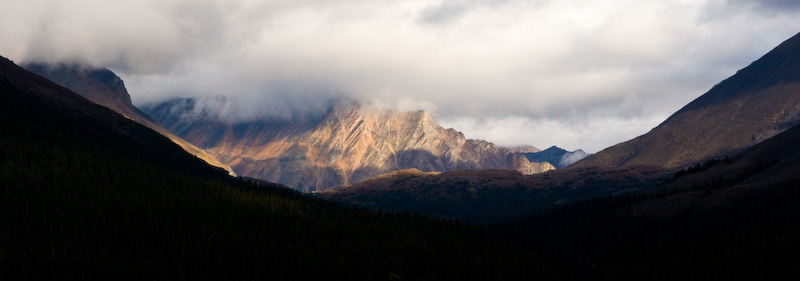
x=556 y=156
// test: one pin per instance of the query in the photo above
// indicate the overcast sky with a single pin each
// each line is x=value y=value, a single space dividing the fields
x=577 y=74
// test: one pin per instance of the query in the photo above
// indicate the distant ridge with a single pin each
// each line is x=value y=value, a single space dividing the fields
x=558 y=157
x=756 y=103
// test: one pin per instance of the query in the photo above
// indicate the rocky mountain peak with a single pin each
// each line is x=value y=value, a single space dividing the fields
x=350 y=143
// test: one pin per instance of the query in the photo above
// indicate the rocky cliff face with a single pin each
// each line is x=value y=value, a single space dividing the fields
x=105 y=88
x=348 y=144
x=755 y=104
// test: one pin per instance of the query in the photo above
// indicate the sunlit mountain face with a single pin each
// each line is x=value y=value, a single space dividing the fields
x=345 y=145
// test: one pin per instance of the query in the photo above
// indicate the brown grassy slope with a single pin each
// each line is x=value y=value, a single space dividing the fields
x=492 y=194
x=755 y=104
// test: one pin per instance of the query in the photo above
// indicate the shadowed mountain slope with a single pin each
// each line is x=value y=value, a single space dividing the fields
x=756 y=103
x=770 y=166
x=490 y=195
x=347 y=144
x=44 y=106
x=105 y=88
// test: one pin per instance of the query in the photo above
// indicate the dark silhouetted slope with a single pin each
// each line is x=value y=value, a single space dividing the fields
x=105 y=88
x=46 y=108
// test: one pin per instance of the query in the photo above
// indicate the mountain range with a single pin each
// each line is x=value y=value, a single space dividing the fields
x=751 y=107
x=89 y=193
x=347 y=144
x=439 y=172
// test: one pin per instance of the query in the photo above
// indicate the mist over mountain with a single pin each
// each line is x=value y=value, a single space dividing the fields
x=571 y=157
x=558 y=72
x=522 y=149
x=345 y=145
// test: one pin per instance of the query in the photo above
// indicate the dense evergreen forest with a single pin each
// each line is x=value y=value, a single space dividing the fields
x=83 y=197
x=754 y=239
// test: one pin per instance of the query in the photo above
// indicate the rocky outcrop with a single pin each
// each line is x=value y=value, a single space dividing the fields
x=105 y=88
x=348 y=144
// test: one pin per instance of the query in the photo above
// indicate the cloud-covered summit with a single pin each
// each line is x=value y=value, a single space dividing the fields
x=574 y=73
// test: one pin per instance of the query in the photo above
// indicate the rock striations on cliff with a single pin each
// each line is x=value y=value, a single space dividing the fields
x=348 y=144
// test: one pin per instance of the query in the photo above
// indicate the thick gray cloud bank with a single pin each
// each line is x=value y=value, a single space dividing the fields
x=578 y=74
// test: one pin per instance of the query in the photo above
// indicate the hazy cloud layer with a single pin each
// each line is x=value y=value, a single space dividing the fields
x=578 y=74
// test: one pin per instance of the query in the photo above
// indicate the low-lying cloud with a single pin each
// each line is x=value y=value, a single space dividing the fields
x=571 y=157
x=571 y=73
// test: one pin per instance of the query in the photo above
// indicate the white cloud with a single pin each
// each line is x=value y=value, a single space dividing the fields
x=573 y=73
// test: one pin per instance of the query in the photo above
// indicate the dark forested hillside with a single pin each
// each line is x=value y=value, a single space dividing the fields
x=754 y=237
